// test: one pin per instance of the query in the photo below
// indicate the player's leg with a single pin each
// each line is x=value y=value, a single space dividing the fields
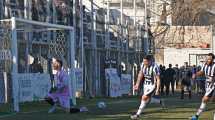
x=209 y=93
x=157 y=100
x=198 y=87
x=52 y=100
x=189 y=88
x=202 y=87
x=148 y=91
x=144 y=101
x=182 y=89
x=189 y=91
x=172 y=86
x=202 y=107
x=167 y=84
x=162 y=86
x=177 y=82
x=65 y=104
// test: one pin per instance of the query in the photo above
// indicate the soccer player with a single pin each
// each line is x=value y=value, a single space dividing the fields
x=186 y=74
x=150 y=74
x=177 y=73
x=208 y=69
x=60 y=93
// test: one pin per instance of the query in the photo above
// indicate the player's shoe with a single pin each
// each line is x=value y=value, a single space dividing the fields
x=52 y=109
x=194 y=117
x=135 y=117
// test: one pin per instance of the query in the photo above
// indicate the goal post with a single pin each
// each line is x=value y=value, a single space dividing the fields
x=25 y=33
x=14 y=71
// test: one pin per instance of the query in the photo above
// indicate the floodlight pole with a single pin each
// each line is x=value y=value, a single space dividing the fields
x=15 y=65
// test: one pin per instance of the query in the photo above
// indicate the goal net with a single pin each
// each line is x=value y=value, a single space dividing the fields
x=24 y=42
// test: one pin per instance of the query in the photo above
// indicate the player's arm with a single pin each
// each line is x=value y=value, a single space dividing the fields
x=156 y=71
x=158 y=84
x=199 y=73
x=139 y=79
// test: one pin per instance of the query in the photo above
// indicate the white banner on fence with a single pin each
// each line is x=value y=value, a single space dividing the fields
x=113 y=81
x=79 y=79
x=33 y=86
x=125 y=83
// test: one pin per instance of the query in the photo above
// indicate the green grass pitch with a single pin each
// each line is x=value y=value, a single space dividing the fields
x=117 y=109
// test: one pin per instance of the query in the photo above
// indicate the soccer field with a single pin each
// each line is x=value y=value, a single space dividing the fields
x=117 y=109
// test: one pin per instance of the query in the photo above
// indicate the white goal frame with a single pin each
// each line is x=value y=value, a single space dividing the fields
x=14 y=53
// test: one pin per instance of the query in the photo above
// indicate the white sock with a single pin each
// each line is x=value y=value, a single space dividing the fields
x=142 y=106
x=155 y=100
x=201 y=109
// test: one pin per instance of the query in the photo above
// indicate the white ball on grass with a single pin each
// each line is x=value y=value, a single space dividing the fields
x=101 y=105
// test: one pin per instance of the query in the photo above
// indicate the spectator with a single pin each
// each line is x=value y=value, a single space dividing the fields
x=193 y=82
x=169 y=79
x=177 y=75
x=162 y=77
x=186 y=75
x=200 y=83
x=36 y=67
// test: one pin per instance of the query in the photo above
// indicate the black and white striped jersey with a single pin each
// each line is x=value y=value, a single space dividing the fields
x=209 y=71
x=150 y=72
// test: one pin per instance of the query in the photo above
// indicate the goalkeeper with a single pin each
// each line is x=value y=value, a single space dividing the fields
x=60 y=93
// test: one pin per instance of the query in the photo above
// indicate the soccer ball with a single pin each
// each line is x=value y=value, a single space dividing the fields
x=101 y=105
